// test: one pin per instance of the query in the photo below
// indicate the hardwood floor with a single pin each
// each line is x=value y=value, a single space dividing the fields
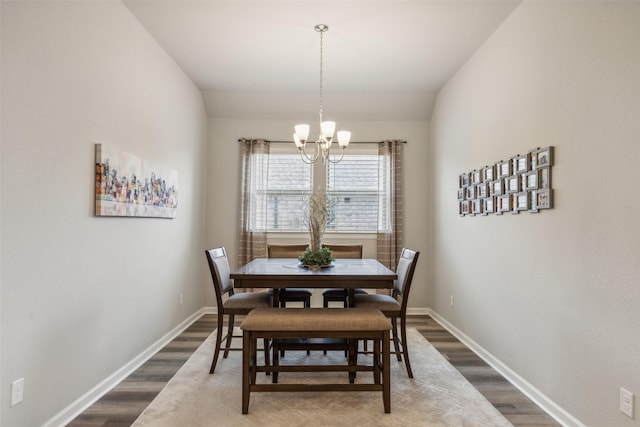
x=124 y=403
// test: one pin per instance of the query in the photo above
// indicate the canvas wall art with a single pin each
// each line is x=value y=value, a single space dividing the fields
x=127 y=185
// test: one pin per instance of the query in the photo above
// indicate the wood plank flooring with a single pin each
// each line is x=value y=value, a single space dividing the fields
x=125 y=402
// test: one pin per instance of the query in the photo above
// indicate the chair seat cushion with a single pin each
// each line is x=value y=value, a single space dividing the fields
x=315 y=319
x=339 y=292
x=248 y=300
x=297 y=292
x=384 y=303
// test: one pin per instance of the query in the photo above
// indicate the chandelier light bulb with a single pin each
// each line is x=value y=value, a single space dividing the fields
x=302 y=131
x=328 y=128
x=344 y=136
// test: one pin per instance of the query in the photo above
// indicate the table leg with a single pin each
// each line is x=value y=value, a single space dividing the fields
x=351 y=297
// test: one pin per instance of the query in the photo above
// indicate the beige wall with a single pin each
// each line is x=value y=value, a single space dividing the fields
x=83 y=296
x=554 y=296
x=224 y=184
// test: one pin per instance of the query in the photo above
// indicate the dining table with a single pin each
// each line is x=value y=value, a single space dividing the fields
x=347 y=273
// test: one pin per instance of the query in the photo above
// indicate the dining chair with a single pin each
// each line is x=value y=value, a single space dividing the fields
x=340 y=295
x=241 y=303
x=290 y=294
x=394 y=306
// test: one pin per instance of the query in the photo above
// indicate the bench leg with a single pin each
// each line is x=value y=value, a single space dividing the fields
x=246 y=371
x=276 y=360
x=353 y=358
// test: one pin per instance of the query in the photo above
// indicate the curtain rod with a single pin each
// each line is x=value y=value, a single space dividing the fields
x=291 y=142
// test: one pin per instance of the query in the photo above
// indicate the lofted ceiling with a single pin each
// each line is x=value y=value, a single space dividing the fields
x=383 y=60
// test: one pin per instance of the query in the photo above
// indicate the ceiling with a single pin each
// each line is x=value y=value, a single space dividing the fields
x=383 y=60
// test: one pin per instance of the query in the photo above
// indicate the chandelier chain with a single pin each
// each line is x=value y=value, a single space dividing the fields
x=321 y=72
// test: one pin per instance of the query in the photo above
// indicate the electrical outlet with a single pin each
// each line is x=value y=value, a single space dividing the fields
x=451 y=300
x=181 y=299
x=17 y=391
x=626 y=402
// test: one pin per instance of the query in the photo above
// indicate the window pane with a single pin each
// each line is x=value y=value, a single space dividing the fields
x=356 y=188
x=279 y=203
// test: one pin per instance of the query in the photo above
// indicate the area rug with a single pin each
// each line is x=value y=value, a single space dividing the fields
x=438 y=395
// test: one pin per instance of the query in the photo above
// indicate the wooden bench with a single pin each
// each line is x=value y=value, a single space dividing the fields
x=287 y=323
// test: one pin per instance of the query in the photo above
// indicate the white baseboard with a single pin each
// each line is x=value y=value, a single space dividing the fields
x=83 y=402
x=540 y=399
x=420 y=311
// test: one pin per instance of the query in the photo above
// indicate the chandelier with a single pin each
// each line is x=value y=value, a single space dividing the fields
x=327 y=128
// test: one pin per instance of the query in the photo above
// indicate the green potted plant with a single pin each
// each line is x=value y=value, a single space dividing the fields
x=316 y=259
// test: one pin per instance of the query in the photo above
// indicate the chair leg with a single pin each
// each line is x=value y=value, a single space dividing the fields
x=265 y=343
x=229 y=335
x=218 y=343
x=396 y=340
x=405 y=350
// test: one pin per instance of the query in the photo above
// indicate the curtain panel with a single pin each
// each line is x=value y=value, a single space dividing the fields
x=389 y=242
x=255 y=167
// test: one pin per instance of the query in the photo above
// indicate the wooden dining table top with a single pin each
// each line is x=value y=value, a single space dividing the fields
x=287 y=272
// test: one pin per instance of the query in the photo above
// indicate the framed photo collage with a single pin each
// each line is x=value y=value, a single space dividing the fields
x=521 y=183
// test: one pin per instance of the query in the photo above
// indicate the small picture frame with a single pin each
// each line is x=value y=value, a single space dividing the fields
x=464 y=208
x=523 y=183
x=503 y=168
x=476 y=177
x=544 y=157
x=471 y=192
x=532 y=201
x=519 y=164
x=481 y=191
x=497 y=188
x=532 y=158
x=520 y=202
x=476 y=206
x=488 y=206
x=487 y=173
x=512 y=184
x=531 y=180
x=544 y=199
x=544 y=178
x=461 y=194
x=503 y=204
x=464 y=180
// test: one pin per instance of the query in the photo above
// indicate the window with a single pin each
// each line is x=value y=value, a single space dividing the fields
x=356 y=189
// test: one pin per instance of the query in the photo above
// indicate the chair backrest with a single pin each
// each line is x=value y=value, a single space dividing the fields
x=285 y=251
x=345 y=251
x=404 y=271
x=220 y=273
